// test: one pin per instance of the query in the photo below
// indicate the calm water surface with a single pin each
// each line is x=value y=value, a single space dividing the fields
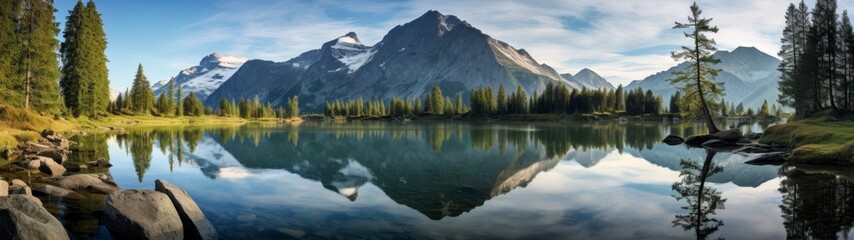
x=466 y=181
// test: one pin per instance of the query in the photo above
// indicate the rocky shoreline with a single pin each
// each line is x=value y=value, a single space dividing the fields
x=734 y=141
x=167 y=212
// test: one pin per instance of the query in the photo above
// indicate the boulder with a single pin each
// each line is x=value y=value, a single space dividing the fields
x=673 y=140
x=47 y=133
x=141 y=214
x=98 y=182
x=4 y=188
x=57 y=155
x=698 y=139
x=23 y=217
x=27 y=191
x=743 y=141
x=34 y=147
x=196 y=225
x=772 y=158
x=100 y=163
x=49 y=167
x=51 y=190
x=33 y=164
x=731 y=135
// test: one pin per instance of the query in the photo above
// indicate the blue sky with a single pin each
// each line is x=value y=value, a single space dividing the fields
x=621 y=40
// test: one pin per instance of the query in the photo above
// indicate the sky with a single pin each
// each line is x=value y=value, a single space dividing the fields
x=621 y=40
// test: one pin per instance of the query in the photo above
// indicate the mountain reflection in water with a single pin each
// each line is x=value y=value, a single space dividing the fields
x=447 y=180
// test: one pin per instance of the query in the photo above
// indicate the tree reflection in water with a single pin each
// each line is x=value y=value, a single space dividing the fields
x=817 y=204
x=703 y=201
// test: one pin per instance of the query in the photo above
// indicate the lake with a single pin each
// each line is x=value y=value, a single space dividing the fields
x=416 y=180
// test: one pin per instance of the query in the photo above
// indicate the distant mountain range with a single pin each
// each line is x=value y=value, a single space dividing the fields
x=432 y=50
x=750 y=77
x=435 y=50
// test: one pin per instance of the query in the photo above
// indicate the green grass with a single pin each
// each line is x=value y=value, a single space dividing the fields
x=815 y=141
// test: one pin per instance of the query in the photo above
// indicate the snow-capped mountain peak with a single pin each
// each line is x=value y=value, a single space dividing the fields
x=212 y=71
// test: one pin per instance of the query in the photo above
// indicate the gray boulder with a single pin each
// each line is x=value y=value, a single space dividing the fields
x=141 y=214
x=47 y=133
x=49 y=167
x=55 y=191
x=98 y=182
x=196 y=225
x=23 y=217
x=673 y=140
x=57 y=155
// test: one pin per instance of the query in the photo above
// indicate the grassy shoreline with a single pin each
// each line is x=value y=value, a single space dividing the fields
x=815 y=141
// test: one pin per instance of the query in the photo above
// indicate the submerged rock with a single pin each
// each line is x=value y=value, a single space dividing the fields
x=100 y=163
x=23 y=217
x=97 y=182
x=143 y=214
x=196 y=225
x=55 y=191
x=673 y=140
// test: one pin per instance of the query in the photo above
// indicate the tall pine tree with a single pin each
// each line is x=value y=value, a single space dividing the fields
x=141 y=94
x=37 y=68
x=698 y=78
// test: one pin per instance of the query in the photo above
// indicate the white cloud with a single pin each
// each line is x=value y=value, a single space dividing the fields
x=281 y=30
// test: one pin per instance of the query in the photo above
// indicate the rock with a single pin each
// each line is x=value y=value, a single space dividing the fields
x=698 y=140
x=47 y=133
x=731 y=135
x=196 y=225
x=34 y=147
x=83 y=166
x=57 y=155
x=718 y=144
x=23 y=217
x=18 y=183
x=32 y=164
x=100 y=163
x=55 y=191
x=673 y=140
x=97 y=182
x=767 y=158
x=294 y=233
x=49 y=167
x=141 y=214
x=22 y=191
x=4 y=188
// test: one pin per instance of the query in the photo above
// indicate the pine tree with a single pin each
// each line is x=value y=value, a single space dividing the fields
x=846 y=39
x=143 y=97
x=193 y=106
x=293 y=107
x=84 y=82
x=795 y=89
x=437 y=102
x=502 y=100
x=9 y=52
x=621 y=104
x=100 y=88
x=764 y=111
x=825 y=24
x=37 y=63
x=698 y=77
x=179 y=98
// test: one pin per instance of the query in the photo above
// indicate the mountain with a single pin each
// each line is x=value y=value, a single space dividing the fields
x=589 y=79
x=212 y=71
x=432 y=50
x=750 y=76
x=114 y=94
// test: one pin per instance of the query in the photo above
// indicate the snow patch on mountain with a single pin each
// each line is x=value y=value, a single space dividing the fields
x=203 y=79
